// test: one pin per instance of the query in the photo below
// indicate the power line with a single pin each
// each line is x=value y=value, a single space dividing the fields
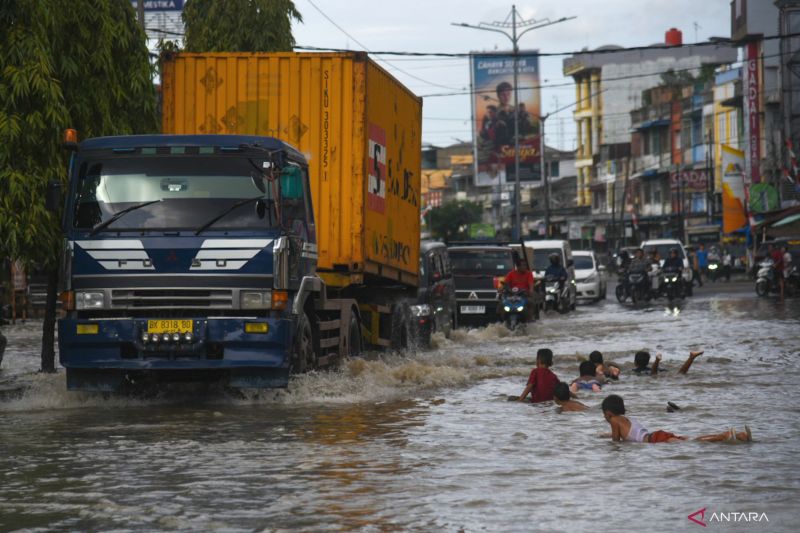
x=329 y=19
x=718 y=42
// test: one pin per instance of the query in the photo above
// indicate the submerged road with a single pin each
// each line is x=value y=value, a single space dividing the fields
x=427 y=440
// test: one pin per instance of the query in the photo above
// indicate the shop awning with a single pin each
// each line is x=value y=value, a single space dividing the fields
x=787 y=220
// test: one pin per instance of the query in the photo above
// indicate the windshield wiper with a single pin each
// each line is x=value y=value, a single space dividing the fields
x=119 y=214
x=225 y=212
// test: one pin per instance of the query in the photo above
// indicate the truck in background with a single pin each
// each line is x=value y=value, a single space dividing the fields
x=272 y=230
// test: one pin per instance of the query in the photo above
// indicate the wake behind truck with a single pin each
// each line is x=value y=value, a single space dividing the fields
x=274 y=229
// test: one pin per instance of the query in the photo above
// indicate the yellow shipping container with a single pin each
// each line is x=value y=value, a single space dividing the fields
x=359 y=128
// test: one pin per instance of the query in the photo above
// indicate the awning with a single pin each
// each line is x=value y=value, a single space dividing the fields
x=660 y=123
x=787 y=220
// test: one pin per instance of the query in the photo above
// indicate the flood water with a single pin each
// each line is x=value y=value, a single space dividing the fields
x=428 y=441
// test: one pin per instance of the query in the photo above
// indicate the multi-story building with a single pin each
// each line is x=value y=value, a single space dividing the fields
x=609 y=85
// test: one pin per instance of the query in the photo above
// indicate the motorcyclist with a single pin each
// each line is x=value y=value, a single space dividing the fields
x=640 y=262
x=521 y=278
x=555 y=270
x=673 y=263
x=623 y=261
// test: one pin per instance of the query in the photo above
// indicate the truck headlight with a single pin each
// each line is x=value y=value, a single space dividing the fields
x=90 y=300
x=520 y=309
x=420 y=310
x=255 y=299
x=591 y=279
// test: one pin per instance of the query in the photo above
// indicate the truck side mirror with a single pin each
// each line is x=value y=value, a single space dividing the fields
x=570 y=263
x=52 y=201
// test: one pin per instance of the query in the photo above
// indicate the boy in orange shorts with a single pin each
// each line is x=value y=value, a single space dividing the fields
x=629 y=430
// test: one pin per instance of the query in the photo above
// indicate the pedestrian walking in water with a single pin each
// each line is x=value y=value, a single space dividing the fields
x=702 y=263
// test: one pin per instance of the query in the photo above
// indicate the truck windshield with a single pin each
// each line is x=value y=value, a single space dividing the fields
x=170 y=192
x=481 y=262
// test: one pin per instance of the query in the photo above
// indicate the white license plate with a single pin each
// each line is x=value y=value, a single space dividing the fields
x=473 y=309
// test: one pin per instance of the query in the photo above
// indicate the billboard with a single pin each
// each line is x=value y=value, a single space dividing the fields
x=734 y=216
x=494 y=112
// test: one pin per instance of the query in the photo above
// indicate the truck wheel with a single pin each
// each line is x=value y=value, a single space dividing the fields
x=304 y=358
x=400 y=328
x=354 y=337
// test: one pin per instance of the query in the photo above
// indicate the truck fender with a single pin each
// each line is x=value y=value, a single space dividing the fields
x=308 y=285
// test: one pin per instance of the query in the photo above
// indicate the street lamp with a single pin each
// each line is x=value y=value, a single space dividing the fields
x=514 y=38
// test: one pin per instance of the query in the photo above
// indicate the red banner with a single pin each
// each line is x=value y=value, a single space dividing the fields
x=751 y=116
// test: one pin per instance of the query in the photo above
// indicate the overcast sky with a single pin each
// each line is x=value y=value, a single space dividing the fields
x=424 y=26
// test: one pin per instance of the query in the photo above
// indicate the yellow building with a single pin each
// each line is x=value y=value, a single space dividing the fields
x=727 y=118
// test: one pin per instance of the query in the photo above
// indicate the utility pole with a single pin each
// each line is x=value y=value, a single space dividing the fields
x=501 y=27
x=140 y=12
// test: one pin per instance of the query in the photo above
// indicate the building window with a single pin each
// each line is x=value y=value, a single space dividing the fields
x=722 y=133
x=553 y=170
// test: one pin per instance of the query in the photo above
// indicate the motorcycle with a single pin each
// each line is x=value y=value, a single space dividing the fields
x=672 y=285
x=515 y=307
x=556 y=295
x=714 y=270
x=638 y=284
x=767 y=278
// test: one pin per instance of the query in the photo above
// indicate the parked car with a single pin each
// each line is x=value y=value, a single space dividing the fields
x=538 y=254
x=663 y=246
x=435 y=309
x=591 y=279
x=478 y=271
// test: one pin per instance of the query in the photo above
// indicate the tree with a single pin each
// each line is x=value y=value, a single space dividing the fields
x=65 y=63
x=450 y=221
x=239 y=25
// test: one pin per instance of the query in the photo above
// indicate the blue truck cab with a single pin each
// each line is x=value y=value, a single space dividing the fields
x=190 y=257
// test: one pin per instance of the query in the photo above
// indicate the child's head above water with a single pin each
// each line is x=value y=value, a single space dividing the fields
x=614 y=405
x=587 y=368
x=596 y=357
x=641 y=359
x=545 y=357
x=561 y=392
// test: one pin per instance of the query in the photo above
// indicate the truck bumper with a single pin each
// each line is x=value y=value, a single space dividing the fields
x=219 y=349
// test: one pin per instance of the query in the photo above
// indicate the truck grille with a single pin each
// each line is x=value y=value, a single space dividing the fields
x=172 y=298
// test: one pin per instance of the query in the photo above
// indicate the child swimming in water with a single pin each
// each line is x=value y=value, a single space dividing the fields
x=642 y=359
x=606 y=371
x=563 y=399
x=587 y=380
x=629 y=430
x=541 y=381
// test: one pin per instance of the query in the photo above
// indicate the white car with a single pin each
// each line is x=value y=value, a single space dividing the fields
x=590 y=276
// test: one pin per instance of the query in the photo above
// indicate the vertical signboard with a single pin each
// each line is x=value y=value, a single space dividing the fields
x=734 y=216
x=494 y=112
x=752 y=121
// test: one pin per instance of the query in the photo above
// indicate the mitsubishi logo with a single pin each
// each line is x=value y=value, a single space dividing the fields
x=472 y=296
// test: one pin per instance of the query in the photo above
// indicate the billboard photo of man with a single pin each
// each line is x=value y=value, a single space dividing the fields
x=494 y=113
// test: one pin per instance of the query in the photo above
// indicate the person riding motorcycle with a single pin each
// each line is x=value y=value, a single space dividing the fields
x=673 y=263
x=521 y=278
x=640 y=262
x=555 y=270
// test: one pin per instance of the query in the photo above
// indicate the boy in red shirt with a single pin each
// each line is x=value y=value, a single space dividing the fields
x=542 y=382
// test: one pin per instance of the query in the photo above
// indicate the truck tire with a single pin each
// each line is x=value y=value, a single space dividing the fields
x=354 y=345
x=304 y=357
x=400 y=328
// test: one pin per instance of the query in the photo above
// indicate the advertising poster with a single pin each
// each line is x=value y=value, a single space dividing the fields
x=494 y=113
x=734 y=216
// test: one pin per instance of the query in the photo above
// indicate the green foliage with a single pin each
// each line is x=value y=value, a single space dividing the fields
x=63 y=63
x=239 y=25
x=450 y=221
